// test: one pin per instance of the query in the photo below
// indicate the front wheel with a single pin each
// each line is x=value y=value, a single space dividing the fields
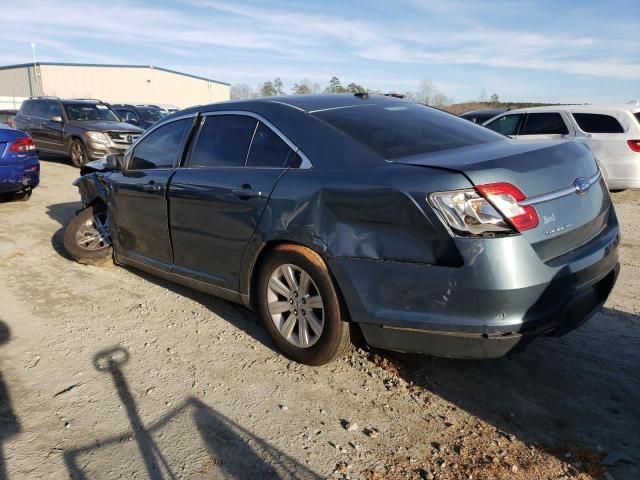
x=300 y=307
x=77 y=153
x=87 y=238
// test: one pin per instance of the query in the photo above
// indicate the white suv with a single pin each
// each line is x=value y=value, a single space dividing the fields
x=612 y=133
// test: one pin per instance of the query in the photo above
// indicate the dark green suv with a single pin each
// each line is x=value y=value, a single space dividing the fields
x=82 y=129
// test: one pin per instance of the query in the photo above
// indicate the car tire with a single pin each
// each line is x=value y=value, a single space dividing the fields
x=305 y=319
x=85 y=239
x=77 y=153
x=22 y=196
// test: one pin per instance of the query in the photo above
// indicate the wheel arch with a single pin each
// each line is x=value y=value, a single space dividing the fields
x=250 y=295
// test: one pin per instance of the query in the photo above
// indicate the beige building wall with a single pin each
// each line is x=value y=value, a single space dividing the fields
x=118 y=84
x=20 y=82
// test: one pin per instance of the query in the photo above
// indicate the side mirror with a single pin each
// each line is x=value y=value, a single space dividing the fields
x=56 y=118
x=115 y=161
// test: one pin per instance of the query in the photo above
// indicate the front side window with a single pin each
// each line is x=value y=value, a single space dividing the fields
x=53 y=110
x=90 y=111
x=223 y=141
x=268 y=149
x=127 y=115
x=151 y=114
x=160 y=148
x=547 y=123
x=506 y=125
x=597 y=123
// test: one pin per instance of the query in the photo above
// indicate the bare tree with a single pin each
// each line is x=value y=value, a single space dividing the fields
x=426 y=92
x=241 y=90
x=305 y=87
x=440 y=100
x=495 y=98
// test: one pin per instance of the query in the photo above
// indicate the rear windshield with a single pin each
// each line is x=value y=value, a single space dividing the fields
x=403 y=129
x=598 y=123
x=90 y=111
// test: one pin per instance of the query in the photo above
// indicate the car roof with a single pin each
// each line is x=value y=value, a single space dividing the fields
x=586 y=108
x=308 y=103
x=485 y=111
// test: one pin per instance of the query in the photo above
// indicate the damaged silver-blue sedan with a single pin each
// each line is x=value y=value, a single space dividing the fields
x=330 y=214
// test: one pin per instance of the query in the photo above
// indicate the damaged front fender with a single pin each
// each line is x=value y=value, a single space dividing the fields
x=93 y=188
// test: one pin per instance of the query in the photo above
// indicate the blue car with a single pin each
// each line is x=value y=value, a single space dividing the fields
x=19 y=164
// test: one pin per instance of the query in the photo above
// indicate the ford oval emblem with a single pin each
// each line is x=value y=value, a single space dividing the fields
x=581 y=185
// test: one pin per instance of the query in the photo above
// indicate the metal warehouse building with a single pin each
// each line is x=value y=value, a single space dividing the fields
x=110 y=83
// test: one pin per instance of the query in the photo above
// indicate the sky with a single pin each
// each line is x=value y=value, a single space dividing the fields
x=539 y=50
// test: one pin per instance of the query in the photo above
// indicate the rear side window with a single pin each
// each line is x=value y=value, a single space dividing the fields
x=223 y=141
x=637 y=114
x=27 y=107
x=160 y=148
x=597 y=123
x=506 y=125
x=268 y=149
x=401 y=129
x=547 y=123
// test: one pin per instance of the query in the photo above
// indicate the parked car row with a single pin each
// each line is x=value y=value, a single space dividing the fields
x=611 y=132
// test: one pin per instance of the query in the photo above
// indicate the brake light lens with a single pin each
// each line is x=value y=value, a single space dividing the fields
x=634 y=145
x=505 y=198
x=22 y=145
x=487 y=210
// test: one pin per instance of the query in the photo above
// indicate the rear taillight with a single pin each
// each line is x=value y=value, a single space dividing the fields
x=22 y=145
x=505 y=198
x=486 y=210
x=634 y=145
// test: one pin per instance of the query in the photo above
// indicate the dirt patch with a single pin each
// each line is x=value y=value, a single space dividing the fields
x=201 y=391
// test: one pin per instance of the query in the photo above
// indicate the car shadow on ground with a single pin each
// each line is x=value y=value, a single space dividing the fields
x=578 y=393
x=9 y=424
x=62 y=213
x=233 y=451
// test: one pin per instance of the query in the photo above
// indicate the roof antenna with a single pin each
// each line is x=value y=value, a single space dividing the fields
x=364 y=95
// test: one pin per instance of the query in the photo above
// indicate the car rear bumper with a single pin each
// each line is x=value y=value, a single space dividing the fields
x=19 y=177
x=499 y=300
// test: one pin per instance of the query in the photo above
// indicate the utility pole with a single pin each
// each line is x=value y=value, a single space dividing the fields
x=35 y=66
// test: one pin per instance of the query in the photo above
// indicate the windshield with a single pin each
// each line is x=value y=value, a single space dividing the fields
x=90 y=111
x=404 y=129
x=151 y=114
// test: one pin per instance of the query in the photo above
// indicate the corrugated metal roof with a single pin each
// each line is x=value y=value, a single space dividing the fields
x=61 y=64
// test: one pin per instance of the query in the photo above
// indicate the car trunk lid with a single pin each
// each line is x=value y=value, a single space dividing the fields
x=546 y=172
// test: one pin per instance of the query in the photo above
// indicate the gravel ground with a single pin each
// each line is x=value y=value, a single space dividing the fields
x=111 y=373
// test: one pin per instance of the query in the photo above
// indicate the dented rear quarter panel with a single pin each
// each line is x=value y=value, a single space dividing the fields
x=379 y=214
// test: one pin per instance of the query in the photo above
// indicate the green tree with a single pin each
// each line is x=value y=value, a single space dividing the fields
x=278 y=86
x=334 y=86
x=305 y=87
x=355 y=88
x=267 y=89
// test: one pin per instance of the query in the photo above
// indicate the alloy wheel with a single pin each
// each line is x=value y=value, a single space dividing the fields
x=94 y=233
x=295 y=305
x=77 y=155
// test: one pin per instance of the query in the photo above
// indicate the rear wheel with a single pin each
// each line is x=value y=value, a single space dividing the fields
x=300 y=307
x=87 y=238
x=77 y=153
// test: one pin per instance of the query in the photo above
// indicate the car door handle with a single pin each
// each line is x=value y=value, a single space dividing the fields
x=150 y=187
x=246 y=193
